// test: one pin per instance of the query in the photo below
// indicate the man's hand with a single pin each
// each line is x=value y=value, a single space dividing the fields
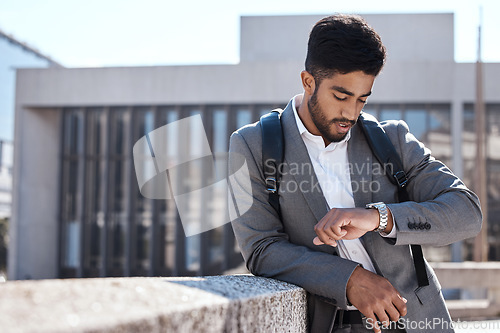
x=375 y=297
x=347 y=223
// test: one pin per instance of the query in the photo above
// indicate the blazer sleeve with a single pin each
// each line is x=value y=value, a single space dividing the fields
x=442 y=209
x=260 y=234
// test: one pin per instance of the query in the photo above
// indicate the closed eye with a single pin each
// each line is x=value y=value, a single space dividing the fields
x=340 y=99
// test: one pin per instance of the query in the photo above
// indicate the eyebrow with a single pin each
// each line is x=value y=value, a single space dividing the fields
x=347 y=92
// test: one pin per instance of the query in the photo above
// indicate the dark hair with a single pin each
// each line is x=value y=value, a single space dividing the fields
x=343 y=44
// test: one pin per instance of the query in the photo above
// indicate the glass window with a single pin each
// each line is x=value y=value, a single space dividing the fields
x=493 y=120
x=243 y=117
x=439 y=120
x=71 y=257
x=416 y=120
x=196 y=200
x=72 y=191
x=221 y=137
x=120 y=124
x=143 y=236
x=99 y=192
x=116 y=244
x=390 y=114
x=143 y=125
x=263 y=109
x=493 y=179
x=371 y=109
x=73 y=131
x=196 y=135
x=469 y=118
x=95 y=131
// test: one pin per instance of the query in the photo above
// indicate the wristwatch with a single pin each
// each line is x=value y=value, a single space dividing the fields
x=383 y=216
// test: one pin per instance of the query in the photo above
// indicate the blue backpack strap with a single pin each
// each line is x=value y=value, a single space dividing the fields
x=386 y=154
x=272 y=154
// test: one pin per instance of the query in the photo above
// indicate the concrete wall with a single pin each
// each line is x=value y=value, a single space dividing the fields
x=408 y=37
x=239 y=303
x=400 y=82
x=235 y=303
x=34 y=231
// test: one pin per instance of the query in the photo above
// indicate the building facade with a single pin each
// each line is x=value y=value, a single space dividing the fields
x=6 y=155
x=77 y=209
x=15 y=54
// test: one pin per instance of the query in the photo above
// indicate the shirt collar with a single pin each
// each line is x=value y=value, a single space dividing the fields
x=297 y=100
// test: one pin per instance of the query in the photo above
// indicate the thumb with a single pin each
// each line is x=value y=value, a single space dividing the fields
x=316 y=241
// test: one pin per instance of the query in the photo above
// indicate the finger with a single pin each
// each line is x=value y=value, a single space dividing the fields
x=372 y=323
x=323 y=238
x=318 y=229
x=383 y=318
x=393 y=313
x=332 y=225
x=317 y=241
x=322 y=235
x=400 y=304
x=334 y=233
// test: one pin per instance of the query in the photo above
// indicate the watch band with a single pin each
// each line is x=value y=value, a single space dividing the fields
x=383 y=216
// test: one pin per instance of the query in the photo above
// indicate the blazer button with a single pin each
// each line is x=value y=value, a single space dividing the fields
x=427 y=225
x=411 y=225
x=421 y=226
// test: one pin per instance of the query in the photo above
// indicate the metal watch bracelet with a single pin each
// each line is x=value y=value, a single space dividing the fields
x=383 y=215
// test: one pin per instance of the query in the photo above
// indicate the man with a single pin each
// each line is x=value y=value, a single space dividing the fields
x=354 y=262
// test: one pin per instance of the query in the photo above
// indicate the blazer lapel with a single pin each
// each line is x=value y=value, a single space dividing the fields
x=360 y=163
x=360 y=160
x=296 y=152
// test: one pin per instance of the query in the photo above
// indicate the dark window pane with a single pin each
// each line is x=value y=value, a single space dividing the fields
x=95 y=131
x=120 y=123
x=416 y=120
x=243 y=117
x=221 y=139
x=73 y=131
x=390 y=114
x=71 y=244
x=439 y=120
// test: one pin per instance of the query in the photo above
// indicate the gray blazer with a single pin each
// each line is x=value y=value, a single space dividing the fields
x=441 y=212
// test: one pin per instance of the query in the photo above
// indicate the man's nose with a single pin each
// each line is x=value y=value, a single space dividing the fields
x=350 y=111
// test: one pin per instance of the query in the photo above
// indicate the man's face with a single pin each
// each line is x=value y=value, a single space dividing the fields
x=337 y=102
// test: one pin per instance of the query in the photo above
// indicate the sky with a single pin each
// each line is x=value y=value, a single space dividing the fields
x=97 y=33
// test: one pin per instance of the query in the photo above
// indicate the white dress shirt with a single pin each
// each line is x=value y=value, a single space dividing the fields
x=331 y=165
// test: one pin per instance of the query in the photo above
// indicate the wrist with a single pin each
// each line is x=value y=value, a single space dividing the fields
x=384 y=225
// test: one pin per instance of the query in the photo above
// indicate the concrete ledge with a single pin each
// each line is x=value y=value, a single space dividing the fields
x=235 y=303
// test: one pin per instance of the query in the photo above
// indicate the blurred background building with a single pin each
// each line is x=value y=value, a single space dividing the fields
x=6 y=154
x=77 y=209
x=14 y=54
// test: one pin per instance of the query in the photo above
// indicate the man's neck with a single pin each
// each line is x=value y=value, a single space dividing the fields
x=305 y=117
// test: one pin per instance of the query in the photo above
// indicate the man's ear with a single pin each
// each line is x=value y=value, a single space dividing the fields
x=308 y=82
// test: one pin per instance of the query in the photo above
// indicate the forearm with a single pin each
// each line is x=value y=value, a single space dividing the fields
x=319 y=273
x=451 y=217
x=442 y=209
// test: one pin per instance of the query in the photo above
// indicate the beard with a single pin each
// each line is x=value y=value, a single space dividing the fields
x=325 y=126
